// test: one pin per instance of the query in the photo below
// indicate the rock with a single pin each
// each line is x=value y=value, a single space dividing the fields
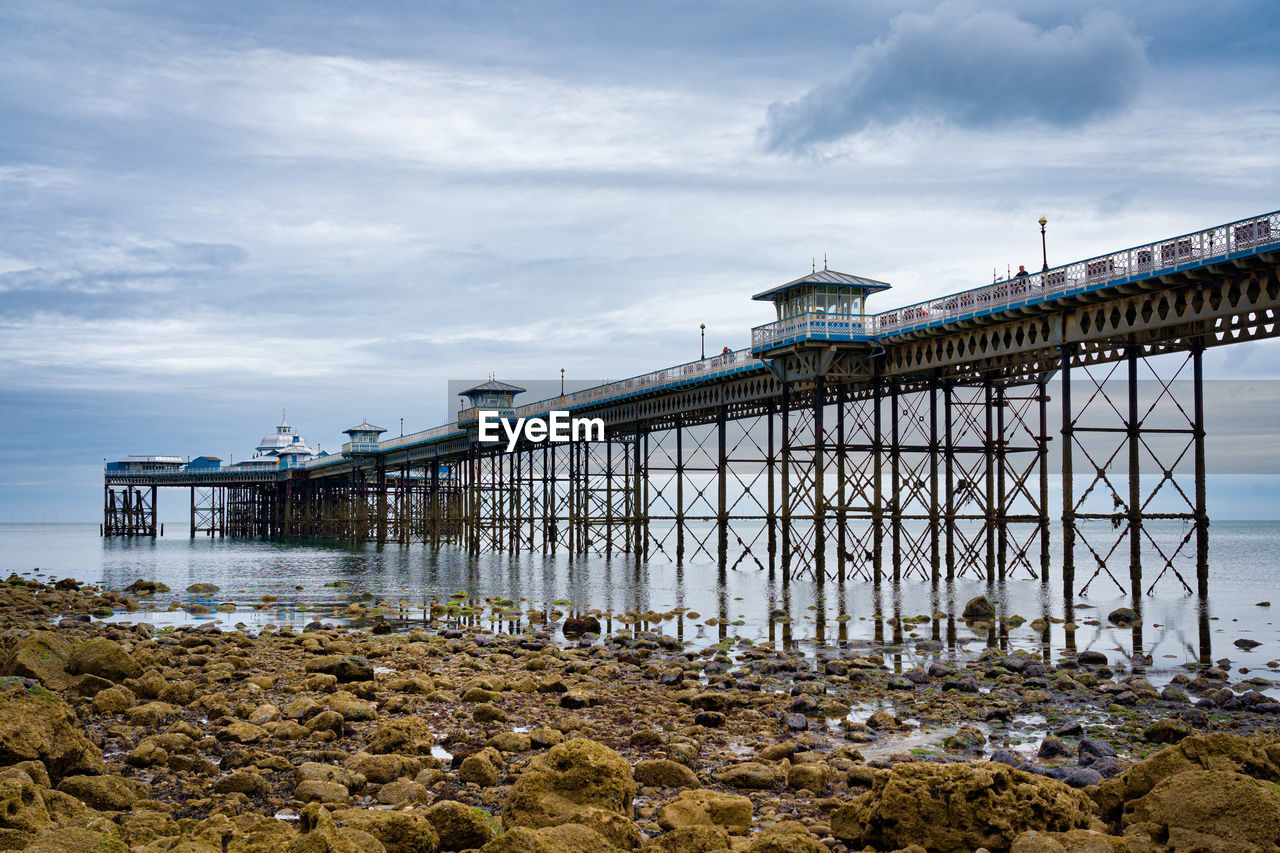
x=1219 y=751
x=321 y=791
x=1166 y=731
x=812 y=777
x=1246 y=644
x=403 y=792
x=665 y=773
x=568 y=838
x=1091 y=658
x=80 y=839
x=321 y=834
x=105 y=793
x=462 y=827
x=37 y=725
x=1122 y=616
x=707 y=808
x=788 y=836
x=405 y=736
x=399 y=830
x=204 y=588
x=1091 y=750
x=378 y=769
x=1210 y=810
x=242 y=732
x=41 y=655
x=22 y=805
x=1036 y=842
x=243 y=782
x=882 y=720
x=752 y=776
x=710 y=719
x=114 y=700
x=351 y=707
x=488 y=713
x=569 y=777
x=689 y=839
x=481 y=768
x=345 y=668
x=103 y=658
x=573 y=628
x=968 y=806
x=1052 y=747
x=978 y=609
x=511 y=742
x=965 y=739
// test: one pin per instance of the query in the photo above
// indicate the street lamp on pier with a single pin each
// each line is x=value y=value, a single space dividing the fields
x=562 y=382
x=703 y=328
x=1044 y=253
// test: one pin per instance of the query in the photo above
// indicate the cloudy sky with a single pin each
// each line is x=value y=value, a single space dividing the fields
x=211 y=211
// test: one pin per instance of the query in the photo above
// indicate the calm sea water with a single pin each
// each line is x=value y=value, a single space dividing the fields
x=743 y=602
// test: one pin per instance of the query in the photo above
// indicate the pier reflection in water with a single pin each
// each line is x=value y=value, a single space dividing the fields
x=696 y=601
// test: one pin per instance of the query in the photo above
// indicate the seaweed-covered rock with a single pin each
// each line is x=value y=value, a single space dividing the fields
x=1254 y=757
x=399 y=830
x=36 y=724
x=103 y=658
x=41 y=655
x=955 y=808
x=566 y=838
x=1209 y=810
x=345 y=668
x=461 y=827
x=707 y=808
x=569 y=777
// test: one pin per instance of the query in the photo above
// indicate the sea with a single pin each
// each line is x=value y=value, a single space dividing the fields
x=267 y=582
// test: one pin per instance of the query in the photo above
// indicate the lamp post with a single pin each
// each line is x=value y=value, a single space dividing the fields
x=1044 y=253
x=402 y=427
x=703 y=328
x=562 y=382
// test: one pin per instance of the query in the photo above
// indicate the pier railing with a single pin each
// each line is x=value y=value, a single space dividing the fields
x=1162 y=256
x=689 y=373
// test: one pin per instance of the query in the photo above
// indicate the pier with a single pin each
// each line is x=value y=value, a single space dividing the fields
x=842 y=445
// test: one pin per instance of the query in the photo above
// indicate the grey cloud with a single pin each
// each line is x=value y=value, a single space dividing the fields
x=151 y=265
x=973 y=69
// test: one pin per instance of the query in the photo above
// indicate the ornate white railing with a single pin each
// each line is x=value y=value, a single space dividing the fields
x=691 y=372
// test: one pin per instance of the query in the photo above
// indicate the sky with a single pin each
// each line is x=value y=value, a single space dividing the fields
x=210 y=212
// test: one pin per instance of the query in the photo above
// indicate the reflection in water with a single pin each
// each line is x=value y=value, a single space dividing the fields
x=796 y=613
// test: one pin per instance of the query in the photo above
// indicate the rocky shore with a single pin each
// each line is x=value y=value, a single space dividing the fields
x=118 y=737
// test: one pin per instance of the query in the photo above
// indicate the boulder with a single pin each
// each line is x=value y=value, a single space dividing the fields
x=406 y=736
x=38 y=725
x=1168 y=730
x=399 y=830
x=567 y=778
x=321 y=791
x=707 y=808
x=81 y=839
x=1209 y=810
x=114 y=700
x=752 y=776
x=462 y=827
x=41 y=655
x=665 y=773
x=788 y=836
x=566 y=838
x=345 y=668
x=105 y=659
x=1255 y=757
x=105 y=793
x=321 y=834
x=689 y=839
x=811 y=776
x=967 y=806
x=483 y=768
x=978 y=609
x=22 y=805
